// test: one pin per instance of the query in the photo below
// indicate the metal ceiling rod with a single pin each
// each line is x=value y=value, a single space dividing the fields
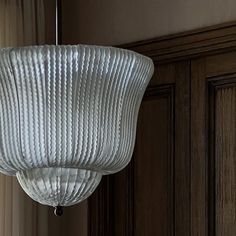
x=58 y=22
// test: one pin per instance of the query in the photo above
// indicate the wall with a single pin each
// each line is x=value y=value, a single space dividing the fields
x=115 y=22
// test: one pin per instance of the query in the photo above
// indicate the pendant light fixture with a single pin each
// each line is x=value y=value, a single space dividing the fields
x=68 y=116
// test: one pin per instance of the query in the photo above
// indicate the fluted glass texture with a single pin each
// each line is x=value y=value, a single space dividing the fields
x=68 y=116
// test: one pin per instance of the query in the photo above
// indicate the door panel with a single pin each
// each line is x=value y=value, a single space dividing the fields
x=213 y=145
x=153 y=165
x=225 y=161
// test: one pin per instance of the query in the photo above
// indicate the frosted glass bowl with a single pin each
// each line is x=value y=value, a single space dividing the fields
x=68 y=116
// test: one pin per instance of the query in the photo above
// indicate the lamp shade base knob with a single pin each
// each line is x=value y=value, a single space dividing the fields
x=58 y=211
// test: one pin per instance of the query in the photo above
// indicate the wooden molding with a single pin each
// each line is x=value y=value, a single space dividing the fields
x=191 y=44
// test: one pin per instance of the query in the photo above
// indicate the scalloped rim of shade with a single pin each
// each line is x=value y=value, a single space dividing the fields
x=79 y=46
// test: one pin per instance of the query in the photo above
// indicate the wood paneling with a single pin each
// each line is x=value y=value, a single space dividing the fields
x=153 y=165
x=213 y=122
x=182 y=177
x=225 y=163
x=223 y=166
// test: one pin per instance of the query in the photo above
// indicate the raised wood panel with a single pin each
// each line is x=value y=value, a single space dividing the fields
x=153 y=165
x=225 y=154
x=213 y=122
x=223 y=162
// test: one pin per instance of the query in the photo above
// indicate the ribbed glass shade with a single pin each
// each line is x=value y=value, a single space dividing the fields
x=68 y=116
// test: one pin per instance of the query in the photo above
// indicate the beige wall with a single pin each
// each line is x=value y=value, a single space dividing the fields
x=115 y=22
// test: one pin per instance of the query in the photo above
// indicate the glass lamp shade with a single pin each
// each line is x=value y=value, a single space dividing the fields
x=68 y=116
